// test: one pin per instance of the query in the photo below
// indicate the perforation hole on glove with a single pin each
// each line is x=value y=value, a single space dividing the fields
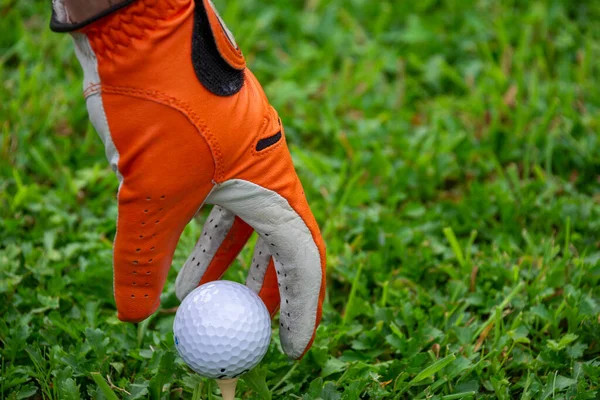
x=142 y=235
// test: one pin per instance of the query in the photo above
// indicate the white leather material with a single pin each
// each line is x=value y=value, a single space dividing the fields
x=95 y=108
x=296 y=255
x=87 y=59
x=258 y=269
x=214 y=231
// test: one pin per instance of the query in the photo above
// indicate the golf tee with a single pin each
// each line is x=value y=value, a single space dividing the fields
x=227 y=387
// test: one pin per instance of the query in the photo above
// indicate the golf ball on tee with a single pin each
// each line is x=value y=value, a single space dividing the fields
x=222 y=329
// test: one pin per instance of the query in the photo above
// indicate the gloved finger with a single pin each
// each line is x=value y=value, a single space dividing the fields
x=158 y=195
x=223 y=237
x=281 y=217
x=262 y=277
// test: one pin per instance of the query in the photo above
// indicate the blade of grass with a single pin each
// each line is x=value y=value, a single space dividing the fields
x=451 y=237
x=197 y=392
x=566 y=250
x=103 y=385
x=348 y=309
x=502 y=305
x=285 y=377
x=432 y=369
x=384 y=294
x=459 y=395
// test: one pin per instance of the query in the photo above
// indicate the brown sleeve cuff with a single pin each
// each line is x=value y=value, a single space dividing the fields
x=76 y=14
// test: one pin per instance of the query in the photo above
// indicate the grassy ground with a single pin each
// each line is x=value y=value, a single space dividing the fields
x=450 y=151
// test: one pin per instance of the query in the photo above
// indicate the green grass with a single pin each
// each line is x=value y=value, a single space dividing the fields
x=450 y=150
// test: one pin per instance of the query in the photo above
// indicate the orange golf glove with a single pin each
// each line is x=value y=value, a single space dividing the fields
x=184 y=123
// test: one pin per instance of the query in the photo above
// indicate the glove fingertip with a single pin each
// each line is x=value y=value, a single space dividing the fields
x=136 y=310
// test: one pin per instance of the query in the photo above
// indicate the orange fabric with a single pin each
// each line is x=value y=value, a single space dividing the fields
x=269 y=293
x=233 y=243
x=175 y=140
x=164 y=184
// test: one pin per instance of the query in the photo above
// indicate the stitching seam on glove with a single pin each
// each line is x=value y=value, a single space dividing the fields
x=185 y=109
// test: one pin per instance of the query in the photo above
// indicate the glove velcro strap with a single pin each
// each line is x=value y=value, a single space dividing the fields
x=218 y=63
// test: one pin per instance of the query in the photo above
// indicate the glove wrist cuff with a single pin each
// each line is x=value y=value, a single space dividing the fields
x=73 y=15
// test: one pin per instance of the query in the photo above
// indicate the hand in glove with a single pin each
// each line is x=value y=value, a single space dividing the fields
x=184 y=123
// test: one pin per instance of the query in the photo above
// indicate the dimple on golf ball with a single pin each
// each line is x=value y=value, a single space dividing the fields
x=222 y=329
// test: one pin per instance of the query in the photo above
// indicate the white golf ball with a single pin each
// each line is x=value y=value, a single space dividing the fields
x=222 y=329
